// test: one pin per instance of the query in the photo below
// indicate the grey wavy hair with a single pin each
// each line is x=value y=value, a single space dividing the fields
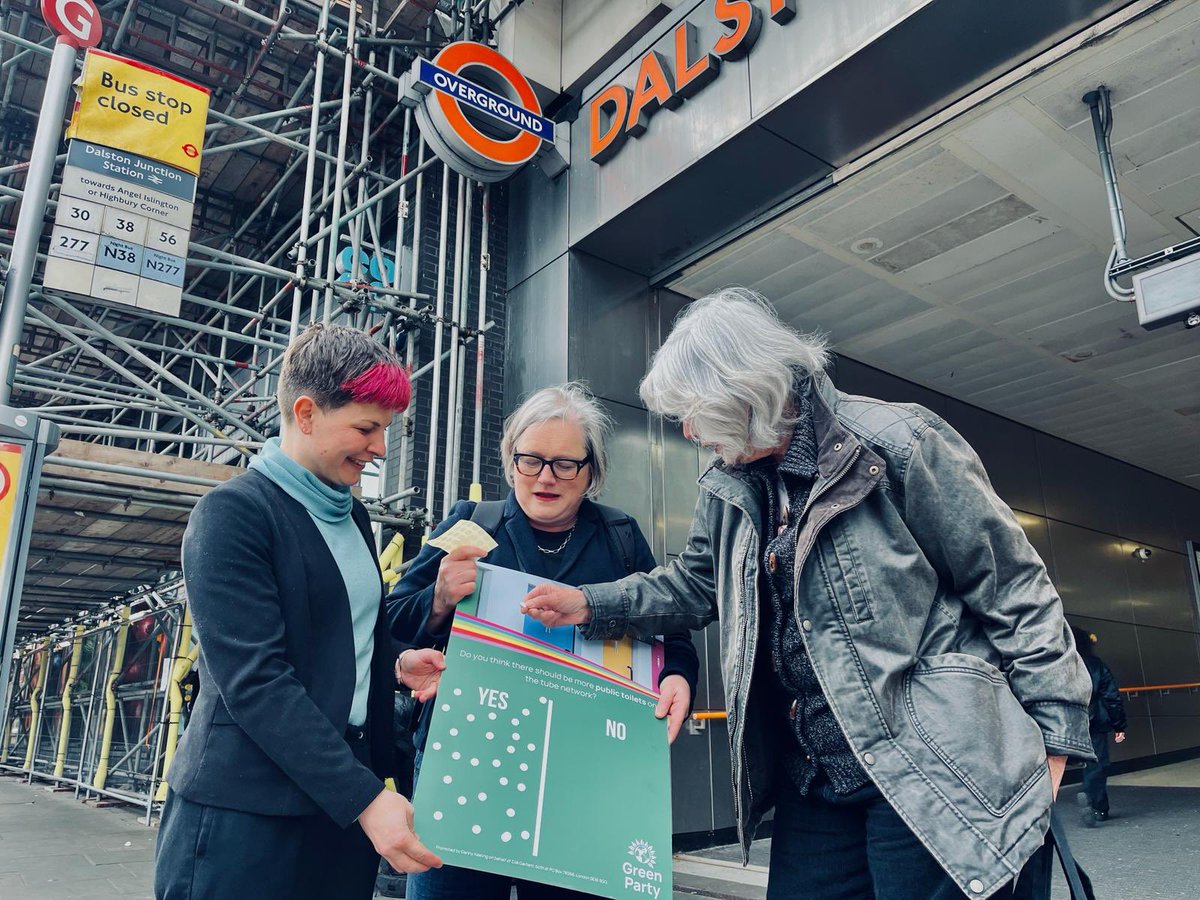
x=570 y=402
x=726 y=370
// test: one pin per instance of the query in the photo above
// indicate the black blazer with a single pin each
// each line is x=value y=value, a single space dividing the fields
x=277 y=663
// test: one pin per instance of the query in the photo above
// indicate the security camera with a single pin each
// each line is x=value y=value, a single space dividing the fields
x=1142 y=554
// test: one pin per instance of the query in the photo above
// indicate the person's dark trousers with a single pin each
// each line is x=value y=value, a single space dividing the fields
x=1095 y=775
x=210 y=853
x=826 y=847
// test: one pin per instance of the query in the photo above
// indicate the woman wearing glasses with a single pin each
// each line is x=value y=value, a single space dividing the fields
x=554 y=458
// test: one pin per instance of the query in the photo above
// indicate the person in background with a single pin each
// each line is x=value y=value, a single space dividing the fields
x=1106 y=715
x=277 y=789
x=554 y=456
x=900 y=684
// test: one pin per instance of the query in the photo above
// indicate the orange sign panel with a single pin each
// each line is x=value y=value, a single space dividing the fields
x=618 y=112
x=10 y=474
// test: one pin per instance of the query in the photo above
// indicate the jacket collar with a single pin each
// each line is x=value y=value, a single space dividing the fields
x=836 y=447
x=521 y=534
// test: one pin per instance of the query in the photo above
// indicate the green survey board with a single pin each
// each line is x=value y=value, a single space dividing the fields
x=541 y=764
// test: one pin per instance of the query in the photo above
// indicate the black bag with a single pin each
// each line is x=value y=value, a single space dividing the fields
x=1036 y=878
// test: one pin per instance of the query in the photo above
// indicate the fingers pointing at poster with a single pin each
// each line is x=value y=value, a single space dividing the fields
x=553 y=605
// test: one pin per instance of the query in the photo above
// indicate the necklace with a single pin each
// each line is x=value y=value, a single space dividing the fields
x=561 y=547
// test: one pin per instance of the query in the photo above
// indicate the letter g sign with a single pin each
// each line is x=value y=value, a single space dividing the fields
x=77 y=22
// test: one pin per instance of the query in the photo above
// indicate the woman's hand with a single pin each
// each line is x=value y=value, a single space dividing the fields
x=553 y=605
x=420 y=671
x=1058 y=765
x=1119 y=737
x=674 y=698
x=455 y=582
x=388 y=824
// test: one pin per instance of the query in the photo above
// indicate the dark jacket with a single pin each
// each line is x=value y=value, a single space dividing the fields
x=934 y=631
x=277 y=664
x=1106 y=712
x=592 y=555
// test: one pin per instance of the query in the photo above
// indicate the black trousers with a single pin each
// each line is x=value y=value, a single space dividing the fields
x=1095 y=774
x=211 y=853
x=854 y=847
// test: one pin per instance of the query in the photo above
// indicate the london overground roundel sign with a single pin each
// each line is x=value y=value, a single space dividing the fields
x=479 y=113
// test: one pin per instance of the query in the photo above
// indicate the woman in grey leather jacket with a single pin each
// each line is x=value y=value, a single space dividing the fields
x=900 y=683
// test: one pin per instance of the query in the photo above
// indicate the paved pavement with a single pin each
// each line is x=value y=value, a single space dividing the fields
x=52 y=847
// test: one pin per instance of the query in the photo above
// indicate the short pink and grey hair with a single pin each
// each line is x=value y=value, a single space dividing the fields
x=335 y=366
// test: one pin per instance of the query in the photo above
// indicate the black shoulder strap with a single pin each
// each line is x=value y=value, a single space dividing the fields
x=488 y=514
x=620 y=526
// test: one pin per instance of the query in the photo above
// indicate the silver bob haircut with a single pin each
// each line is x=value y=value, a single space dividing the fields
x=570 y=402
x=726 y=370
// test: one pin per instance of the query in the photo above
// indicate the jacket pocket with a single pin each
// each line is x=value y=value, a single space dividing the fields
x=965 y=712
x=845 y=572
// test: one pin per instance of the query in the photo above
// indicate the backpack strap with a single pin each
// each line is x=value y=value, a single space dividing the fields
x=488 y=515
x=620 y=526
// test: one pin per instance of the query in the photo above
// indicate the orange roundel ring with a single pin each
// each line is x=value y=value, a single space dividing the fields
x=515 y=151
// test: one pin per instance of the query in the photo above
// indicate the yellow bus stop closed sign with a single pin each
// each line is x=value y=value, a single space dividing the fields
x=128 y=105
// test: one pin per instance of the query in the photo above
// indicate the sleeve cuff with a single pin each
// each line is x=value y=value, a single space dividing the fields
x=361 y=794
x=610 y=612
x=1064 y=728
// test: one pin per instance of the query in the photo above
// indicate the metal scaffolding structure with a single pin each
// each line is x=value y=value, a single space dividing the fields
x=318 y=200
x=314 y=194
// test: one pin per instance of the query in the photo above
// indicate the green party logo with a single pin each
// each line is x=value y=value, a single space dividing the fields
x=642 y=879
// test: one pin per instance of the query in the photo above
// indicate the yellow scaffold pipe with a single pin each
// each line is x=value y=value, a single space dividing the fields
x=179 y=671
x=64 y=730
x=35 y=705
x=392 y=553
x=110 y=699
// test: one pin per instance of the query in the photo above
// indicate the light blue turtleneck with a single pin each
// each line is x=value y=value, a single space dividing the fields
x=330 y=508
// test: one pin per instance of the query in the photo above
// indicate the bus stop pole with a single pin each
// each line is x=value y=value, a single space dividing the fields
x=33 y=209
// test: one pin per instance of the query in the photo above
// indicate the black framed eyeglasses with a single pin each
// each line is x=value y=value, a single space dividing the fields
x=564 y=468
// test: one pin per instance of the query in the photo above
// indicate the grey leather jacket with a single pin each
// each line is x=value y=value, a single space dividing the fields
x=930 y=620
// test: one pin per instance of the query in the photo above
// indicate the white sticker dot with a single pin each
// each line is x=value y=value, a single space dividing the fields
x=445 y=707
x=458 y=692
x=475 y=829
x=496 y=763
x=438 y=815
x=462 y=801
x=474 y=760
x=492 y=716
x=470 y=717
x=437 y=745
x=506 y=837
x=482 y=796
x=524 y=767
x=503 y=780
x=524 y=835
x=541 y=699
x=516 y=735
x=456 y=755
x=453 y=732
x=490 y=735
x=520 y=786
x=446 y=779
x=531 y=747
x=516 y=722
x=512 y=749
x=510 y=812
x=524 y=712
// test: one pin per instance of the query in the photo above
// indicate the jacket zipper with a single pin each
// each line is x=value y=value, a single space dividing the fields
x=741 y=725
x=833 y=479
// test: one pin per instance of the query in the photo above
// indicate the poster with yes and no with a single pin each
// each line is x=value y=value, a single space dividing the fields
x=541 y=764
